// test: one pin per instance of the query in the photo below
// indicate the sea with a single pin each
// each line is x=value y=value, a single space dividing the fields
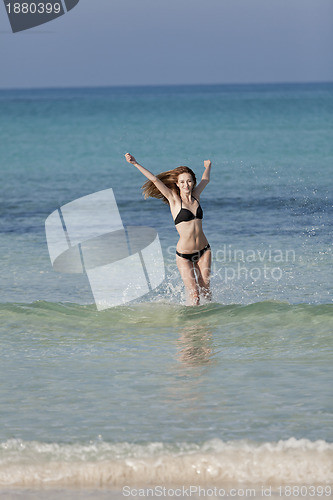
x=152 y=397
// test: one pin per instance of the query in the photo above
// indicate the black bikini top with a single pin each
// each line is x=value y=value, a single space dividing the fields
x=185 y=215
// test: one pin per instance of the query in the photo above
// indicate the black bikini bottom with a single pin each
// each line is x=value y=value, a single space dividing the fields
x=193 y=257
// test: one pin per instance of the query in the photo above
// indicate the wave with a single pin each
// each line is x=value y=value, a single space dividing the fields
x=301 y=204
x=35 y=464
x=164 y=314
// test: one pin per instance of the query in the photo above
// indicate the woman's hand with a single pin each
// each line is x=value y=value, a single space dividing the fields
x=130 y=159
x=207 y=163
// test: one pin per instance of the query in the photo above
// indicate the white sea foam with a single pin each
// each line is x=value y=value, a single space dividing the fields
x=33 y=464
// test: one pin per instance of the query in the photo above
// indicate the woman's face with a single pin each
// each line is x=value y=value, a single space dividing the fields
x=185 y=183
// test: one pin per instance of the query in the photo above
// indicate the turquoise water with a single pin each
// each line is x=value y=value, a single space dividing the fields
x=240 y=389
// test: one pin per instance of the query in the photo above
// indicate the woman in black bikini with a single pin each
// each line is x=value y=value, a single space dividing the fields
x=178 y=189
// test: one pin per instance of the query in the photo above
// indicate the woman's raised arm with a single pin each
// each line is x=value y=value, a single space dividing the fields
x=204 y=179
x=155 y=180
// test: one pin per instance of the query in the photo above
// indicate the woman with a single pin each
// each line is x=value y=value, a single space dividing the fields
x=178 y=188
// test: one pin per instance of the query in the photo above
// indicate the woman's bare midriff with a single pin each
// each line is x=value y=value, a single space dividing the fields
x=192 y=238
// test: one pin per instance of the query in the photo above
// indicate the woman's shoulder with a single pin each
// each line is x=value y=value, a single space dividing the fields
x=195 y=195
x=174 y=198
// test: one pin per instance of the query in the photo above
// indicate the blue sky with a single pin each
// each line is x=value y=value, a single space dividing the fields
x=147 y=42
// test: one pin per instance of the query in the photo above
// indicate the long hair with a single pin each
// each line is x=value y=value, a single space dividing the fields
x=168 y=178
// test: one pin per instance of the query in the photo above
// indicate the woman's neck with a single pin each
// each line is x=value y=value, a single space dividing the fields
x=187 y=198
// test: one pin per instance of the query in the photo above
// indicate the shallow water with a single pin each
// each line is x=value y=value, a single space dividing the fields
x=240 y=389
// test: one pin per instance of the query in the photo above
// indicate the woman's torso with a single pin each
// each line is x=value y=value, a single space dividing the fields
x=189 y=226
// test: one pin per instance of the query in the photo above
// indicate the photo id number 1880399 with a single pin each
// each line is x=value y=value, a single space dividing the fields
x=33 y=8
